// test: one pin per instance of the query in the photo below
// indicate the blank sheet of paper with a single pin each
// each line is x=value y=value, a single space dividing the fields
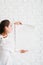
x=26 y=37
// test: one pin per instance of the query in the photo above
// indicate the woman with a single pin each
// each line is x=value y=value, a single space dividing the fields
x=6 y=46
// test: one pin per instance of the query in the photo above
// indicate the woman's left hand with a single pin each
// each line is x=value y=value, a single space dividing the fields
x=18 y=23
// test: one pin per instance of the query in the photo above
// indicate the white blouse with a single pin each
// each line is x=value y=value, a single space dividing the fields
x=7 y=43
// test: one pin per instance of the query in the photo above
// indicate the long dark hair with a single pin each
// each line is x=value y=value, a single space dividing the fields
x=3 y=23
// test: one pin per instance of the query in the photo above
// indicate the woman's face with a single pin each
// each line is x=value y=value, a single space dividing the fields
x=9 y=28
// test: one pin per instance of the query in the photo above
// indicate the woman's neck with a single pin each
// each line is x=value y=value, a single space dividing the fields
x=4 y=34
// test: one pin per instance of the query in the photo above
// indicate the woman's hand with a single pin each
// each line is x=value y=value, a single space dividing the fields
x=23 y=51
x=18 y=23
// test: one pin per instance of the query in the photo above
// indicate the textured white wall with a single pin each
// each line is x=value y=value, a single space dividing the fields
x=29 y=12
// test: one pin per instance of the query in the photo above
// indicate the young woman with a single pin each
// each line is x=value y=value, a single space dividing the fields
x=6 y=44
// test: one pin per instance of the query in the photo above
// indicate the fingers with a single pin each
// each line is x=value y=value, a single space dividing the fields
x=18 y=23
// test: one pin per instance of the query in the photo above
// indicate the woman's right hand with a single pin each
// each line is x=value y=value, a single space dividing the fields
x=23 y=51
